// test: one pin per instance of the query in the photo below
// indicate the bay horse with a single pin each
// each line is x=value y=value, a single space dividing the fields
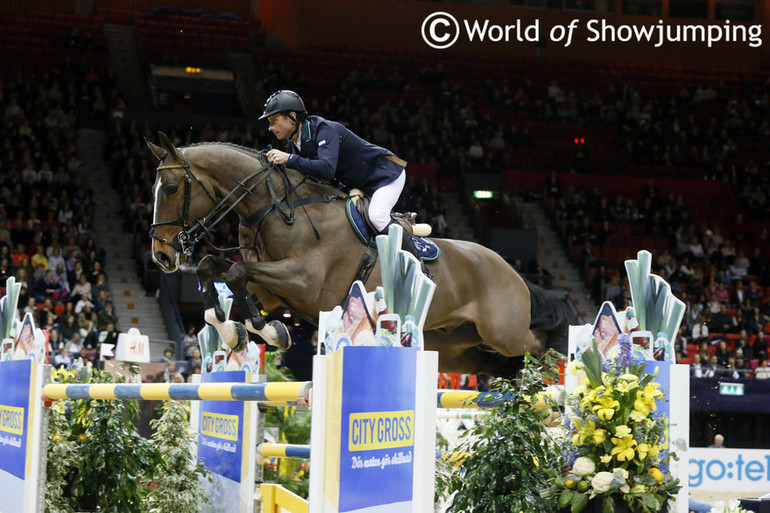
x=299 y=251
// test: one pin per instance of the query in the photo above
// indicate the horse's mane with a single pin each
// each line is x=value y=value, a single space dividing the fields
x=260 y=154
x=246 y=149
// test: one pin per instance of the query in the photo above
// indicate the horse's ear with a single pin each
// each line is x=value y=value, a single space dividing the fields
x=156 y=150
x=168 y=146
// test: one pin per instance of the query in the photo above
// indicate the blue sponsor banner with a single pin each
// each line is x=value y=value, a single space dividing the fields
x=737 y=470
x=220 y=442
x=377 y=431
x=15 y=382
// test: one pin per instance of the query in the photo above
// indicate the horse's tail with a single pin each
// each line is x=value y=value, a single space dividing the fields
x=551 y=315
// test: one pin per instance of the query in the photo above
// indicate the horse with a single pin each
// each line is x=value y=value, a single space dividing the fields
x=299 y=251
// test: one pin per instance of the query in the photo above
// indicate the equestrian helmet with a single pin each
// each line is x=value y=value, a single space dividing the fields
x=284 y=101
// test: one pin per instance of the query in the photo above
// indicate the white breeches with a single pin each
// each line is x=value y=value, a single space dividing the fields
x=383 y=200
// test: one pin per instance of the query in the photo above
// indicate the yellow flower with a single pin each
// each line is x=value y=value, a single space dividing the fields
x=624 y=448
x=638 y=416
x=629 y=377
x=599 y=436
x=82 y=436
x=574 y=367
x=648 y=395
x=622 y=431
x=605 y=458
x=657 y=474
x=638 y=488
x=605 y=408
x=642 y=450
x=625 y=387
x=642 y=406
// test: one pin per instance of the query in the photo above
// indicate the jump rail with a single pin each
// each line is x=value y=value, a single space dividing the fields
x=271 y=450
x=273 y=393
x=469 y=399
x=302 y=451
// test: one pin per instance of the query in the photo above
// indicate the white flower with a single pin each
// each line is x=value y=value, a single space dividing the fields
x=601 y=482
x=583 y=467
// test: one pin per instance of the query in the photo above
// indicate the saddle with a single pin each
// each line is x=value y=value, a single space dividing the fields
x=357 y=209
x=407 y=220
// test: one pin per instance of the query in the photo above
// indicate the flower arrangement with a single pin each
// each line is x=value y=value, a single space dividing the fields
x=618 y=451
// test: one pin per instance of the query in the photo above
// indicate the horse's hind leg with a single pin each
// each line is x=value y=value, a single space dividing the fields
x=273 y=332
x=505 y=325
x=213 y=268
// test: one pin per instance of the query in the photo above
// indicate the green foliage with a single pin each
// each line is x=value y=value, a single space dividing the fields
x=511 y=453
x=176 y=487
x=110 y=458
x=61 y=460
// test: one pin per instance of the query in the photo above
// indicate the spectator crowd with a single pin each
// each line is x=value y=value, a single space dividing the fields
x=47 y=241
x=437 y=117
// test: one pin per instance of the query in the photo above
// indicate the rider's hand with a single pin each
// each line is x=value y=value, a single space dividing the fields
x=277 y=157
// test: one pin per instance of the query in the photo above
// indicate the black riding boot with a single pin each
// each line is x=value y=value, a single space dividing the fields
x=407 y=244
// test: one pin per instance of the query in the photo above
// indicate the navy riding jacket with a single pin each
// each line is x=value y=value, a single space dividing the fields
x=329 y=150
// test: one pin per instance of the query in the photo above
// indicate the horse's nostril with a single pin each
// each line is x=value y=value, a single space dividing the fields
x=162 y=258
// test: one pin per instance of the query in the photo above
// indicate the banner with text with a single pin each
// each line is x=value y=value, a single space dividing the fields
x=377 y=438
x=736 y=470
x=19 y=434
x=225 y=446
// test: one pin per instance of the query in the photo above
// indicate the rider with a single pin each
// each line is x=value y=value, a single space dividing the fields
x=326 y=149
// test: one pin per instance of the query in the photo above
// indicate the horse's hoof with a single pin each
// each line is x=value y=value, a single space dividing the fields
x=282 y=339
x=243 y=337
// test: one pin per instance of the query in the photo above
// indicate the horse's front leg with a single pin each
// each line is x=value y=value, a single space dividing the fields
x=285 y=279
x=212 y=269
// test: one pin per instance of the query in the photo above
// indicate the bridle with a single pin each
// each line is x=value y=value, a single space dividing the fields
x=190 y=235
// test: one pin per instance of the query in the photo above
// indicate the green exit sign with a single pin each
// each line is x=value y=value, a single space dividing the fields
x=731 y=388
x=479 y=194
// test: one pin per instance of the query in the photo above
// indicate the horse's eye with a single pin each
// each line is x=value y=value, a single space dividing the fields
x=170 y=191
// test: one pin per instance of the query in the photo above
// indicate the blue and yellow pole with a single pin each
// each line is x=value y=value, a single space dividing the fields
x=273 y=393
x=270 y=450
x=469 y=399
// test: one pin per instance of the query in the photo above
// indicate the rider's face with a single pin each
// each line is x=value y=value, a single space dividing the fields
x=281 y=126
